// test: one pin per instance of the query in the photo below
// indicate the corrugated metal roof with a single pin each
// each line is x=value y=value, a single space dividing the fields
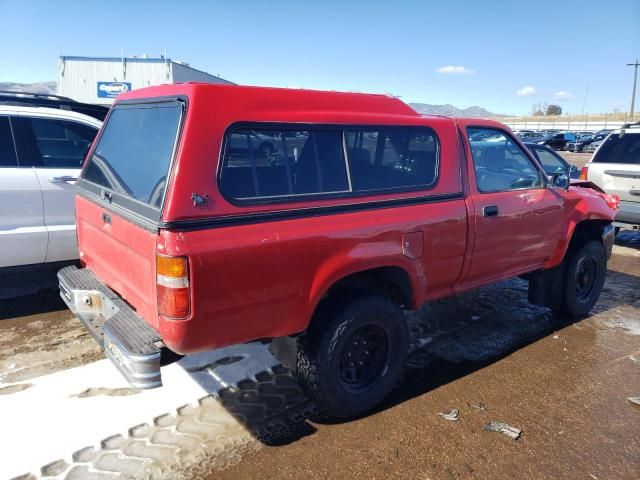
x=117 y=59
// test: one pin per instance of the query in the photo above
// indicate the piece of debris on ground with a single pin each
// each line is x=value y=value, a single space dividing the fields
x=635 y=400
x=479 y=406
x=451 y=415
x=500 y=427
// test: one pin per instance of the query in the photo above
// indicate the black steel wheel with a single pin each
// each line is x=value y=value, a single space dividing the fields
x=364 y=357
x=350 y=361
x=584 y=274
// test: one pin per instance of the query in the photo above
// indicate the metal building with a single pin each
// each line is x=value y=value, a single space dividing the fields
x=101 y=79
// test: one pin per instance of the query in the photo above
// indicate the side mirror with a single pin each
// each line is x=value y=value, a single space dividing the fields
x=560 y=180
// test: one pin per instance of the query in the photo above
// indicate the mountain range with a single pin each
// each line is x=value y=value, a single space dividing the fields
x=423 y=108
x=451 y=111
x=39 y=87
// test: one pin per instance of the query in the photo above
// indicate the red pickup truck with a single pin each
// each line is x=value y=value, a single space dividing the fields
x=211 y=215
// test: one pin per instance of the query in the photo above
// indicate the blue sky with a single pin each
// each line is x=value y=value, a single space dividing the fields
x=460 y=52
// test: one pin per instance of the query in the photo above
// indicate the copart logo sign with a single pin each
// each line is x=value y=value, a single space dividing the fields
x=112 y=89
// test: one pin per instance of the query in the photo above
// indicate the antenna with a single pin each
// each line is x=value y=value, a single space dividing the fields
x=635 y=80
x=586 y=94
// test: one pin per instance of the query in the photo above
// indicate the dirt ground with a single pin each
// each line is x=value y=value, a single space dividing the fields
x=39 y=335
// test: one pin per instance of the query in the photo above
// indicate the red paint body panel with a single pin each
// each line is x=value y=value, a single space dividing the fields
x=121 y=254
x=264 y=279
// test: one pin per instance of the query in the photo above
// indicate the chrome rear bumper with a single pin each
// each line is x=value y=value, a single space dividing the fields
x=127 y=340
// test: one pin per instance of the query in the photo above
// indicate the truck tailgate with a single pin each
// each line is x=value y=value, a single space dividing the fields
x=120 y=253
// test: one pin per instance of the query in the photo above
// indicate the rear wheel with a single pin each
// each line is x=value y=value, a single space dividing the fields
x=584 y=275
x=350 y=363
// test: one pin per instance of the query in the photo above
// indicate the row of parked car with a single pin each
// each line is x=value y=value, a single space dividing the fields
x=571 y=141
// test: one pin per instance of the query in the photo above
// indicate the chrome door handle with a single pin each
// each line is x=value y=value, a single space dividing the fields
x=63 y=179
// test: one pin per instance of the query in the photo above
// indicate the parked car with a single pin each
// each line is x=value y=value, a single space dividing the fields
x=10 y=98
x=551 y=162
x=527 y=135
x=604 y=132
x=593 y=146
x=375 y=212
x=41 y=152
x=261 y=145
x=580 y=144
x=615 y=167
x=557 y=141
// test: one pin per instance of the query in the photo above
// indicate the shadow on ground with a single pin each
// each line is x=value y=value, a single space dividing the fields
x=450 y=338
x=46 y=301
x=628 y=238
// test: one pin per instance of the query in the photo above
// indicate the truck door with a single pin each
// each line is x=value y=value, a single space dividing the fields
x=56 y=149
x=517 y=219
x=23 y=236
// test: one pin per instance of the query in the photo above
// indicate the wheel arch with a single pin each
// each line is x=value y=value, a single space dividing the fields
x=576 y=232
x=403 y=284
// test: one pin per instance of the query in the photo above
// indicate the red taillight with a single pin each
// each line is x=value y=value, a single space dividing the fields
x=172 y=283
x=583 y=173
x=613 y=201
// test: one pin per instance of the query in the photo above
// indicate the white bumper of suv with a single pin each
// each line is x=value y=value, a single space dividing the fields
x=629 y=214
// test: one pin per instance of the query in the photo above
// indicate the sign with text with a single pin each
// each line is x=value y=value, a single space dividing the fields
x=112 y=89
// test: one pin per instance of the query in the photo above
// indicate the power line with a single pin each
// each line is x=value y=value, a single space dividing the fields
x=635 y=80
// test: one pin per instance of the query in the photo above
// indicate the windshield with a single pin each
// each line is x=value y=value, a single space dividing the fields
x=134 y=152
x=617 y=149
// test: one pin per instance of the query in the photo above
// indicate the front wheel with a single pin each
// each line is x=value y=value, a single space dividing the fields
x=349 y=364
x=584 y=274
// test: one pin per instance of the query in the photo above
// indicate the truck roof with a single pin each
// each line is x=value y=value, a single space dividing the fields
x=239 y=102
x=280 y=100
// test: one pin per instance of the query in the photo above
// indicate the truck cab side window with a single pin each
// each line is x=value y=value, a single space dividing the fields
x=500 y=164
x=7 y=149
x=386 y=158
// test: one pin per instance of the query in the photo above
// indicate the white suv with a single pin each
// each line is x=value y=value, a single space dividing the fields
x=615 y=167
x=41 y=152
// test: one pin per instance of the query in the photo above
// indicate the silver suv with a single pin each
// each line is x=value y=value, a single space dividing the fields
x=615 y=167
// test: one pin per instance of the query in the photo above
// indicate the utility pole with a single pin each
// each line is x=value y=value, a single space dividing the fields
x=635 y=80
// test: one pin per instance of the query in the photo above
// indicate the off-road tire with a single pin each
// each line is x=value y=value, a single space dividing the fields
x=321 y=349
x=574 y=305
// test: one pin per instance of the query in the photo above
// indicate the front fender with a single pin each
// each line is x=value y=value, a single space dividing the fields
x=582 y=204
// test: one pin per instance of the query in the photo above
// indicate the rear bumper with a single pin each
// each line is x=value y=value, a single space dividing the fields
x=127 y=340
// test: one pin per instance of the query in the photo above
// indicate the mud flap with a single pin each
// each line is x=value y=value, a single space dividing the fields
x=546 y=287
x=285 y=350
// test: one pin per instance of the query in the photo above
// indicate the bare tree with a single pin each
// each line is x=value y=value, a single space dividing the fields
x=553 y=110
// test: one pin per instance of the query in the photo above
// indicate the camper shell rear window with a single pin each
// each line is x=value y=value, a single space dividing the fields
x=130 y=164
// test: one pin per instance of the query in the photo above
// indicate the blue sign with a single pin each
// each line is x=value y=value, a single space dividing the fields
x=112 y=89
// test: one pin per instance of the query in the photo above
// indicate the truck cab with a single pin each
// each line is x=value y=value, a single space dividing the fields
x=193 y=236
